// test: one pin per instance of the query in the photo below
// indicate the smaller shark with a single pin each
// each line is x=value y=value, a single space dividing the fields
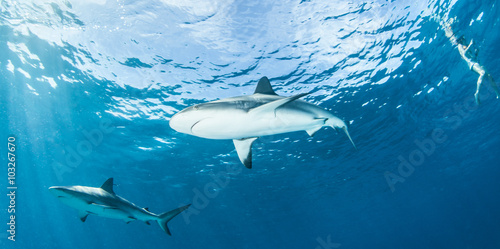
x=104 y=202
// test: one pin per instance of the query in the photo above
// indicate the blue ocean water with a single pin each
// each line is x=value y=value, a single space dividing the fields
x=88 y=88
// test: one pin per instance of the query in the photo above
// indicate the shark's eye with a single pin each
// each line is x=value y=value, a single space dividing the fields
x=196 y=107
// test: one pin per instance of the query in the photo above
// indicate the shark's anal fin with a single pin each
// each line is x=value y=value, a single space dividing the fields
x=312 y=131
x=108 y=186
x=272 y=106
x=83 y=215
x=244 y=150
x=264 y=87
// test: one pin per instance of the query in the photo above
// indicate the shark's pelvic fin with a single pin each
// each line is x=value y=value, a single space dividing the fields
x=244 y=150
x=130 y=219
x=108 y=186
x=264 y=87
x=166 y=217
x=272 y=106
x=83 y=215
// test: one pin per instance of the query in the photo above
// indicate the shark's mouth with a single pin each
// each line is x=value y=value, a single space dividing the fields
x=193 y=127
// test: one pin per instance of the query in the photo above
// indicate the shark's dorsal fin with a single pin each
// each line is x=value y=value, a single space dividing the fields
x=244 y=150
x=264 y=87
x=108 y=186
x=271 y=106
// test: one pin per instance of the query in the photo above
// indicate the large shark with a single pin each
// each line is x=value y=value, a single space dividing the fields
x=104 y=202
x=245 y=118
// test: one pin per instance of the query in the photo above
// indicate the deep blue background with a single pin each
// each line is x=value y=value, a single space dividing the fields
x=385 y=67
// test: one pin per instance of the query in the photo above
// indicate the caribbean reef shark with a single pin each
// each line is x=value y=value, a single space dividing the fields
x=105 y=203
x=246 y=118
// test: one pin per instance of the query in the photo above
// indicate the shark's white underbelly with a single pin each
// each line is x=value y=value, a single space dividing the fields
x=108 y=212
x=243 y=125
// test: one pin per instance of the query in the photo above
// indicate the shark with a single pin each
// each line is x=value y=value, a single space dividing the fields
x=104 y=202
x=246 y=118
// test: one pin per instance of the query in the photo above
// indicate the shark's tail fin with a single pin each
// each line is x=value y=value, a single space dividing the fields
x=335 y=123
x=349 y=136
x=166 y=217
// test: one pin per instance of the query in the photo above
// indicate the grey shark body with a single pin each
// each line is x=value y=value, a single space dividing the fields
x=105 y=203
x=245 y=118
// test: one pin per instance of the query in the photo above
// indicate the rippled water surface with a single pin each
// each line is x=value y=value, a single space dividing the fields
x=88 y=88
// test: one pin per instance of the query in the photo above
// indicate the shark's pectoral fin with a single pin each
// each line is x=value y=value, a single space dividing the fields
x=104 y=206
x=83 y=215
x=244 y=150
x=271 y=106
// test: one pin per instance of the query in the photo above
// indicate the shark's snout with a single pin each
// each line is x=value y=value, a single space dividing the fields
x=55 y=190
x=59 y=191
x=184 y=120
x=174 y=122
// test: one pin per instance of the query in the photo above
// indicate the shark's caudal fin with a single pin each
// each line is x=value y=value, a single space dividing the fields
x=244 y=150
x=349 y=136
x=337 y=123
x=264 y=87
x=166 y=217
